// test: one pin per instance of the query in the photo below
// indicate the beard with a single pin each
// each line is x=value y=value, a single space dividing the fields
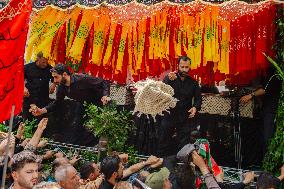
x=182 y=73
x=119 y=177
x=26 y=184
x=63 y=81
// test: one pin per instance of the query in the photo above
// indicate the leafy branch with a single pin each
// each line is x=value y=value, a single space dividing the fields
x=110 y=123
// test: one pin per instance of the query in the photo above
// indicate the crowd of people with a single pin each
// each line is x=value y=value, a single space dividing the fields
x=25 y=169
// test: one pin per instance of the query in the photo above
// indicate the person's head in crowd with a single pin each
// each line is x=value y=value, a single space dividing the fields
x=58 y=162
x=41 y=61
x=24 y=170
x=4 y=142
x=185 y=175
x=267 y=181
x=112 y=168
x=156 y=180
x=67 y=177
x=143 y=175
x=47 y=185
x=124 y=185
x=183 y=65
x=89 y=171
x=60 y=74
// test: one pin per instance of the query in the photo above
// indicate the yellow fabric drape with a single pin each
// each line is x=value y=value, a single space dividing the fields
x=108 y=54
x=223 y=65
x=122 y=44
x=74 y=14
x=196 y=29
x=44 y=25
x=101 y=24
x=193 y=33
x=81 y=35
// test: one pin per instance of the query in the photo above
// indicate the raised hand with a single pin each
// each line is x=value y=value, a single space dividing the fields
x=42 y=124
x=192 y=112
x=26 y=92
x=105 y=100
x=172 y=76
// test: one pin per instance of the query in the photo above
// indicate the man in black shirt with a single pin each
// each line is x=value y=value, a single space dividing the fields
x=270 y=91
x=187 y=91
x=79 y=87
x=37 y=90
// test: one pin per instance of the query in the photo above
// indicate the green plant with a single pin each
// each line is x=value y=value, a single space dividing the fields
x=110 y=123
x=29 y=128
x=132 y=155
x=279 y=70
x=3 y=128
x=89 y=156
x=274 y=158
x=47 y=167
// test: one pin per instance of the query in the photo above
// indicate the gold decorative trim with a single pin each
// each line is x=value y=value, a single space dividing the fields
x=158 y=4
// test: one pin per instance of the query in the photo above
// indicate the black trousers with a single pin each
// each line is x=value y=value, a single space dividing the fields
x=268 y=129
x=173 y=134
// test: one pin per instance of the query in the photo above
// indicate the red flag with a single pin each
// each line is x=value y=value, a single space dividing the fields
x=14 y=23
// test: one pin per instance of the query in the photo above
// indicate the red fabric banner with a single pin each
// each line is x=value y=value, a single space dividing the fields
x=14 y=23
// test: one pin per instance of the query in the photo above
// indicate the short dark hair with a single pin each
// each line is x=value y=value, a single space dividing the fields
x=185 y=176
x=21 y=159
x=57 y=163
x=267 y=180
x=87 y=169
x=60 y=69
x=109 y=165
x=184 y=58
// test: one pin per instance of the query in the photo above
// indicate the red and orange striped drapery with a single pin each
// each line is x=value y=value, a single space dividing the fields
x=223 y=41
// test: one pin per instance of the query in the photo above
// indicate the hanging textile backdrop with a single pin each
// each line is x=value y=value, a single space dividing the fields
x=114 y=42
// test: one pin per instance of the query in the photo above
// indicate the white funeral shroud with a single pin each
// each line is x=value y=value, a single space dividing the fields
x=153 y=98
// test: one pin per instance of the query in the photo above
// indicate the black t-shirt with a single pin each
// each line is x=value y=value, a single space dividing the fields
x=188 y=93
x=272 y=92
x=83 y=88
x=37 y=82
x=272 y=95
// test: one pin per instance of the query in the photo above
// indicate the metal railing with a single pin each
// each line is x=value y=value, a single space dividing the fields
x=231 y=175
